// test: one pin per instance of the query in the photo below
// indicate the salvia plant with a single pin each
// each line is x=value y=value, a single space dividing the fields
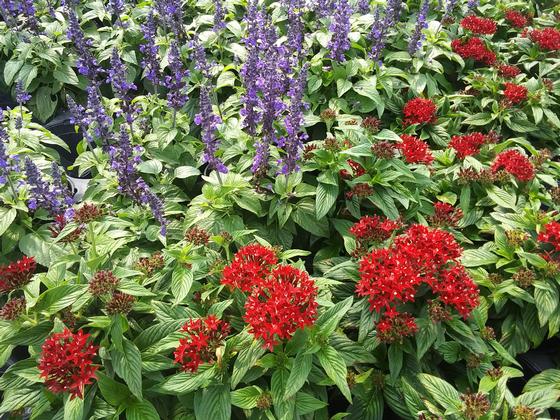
x=294 y=210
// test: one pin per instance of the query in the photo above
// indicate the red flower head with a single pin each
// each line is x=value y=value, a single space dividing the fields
x=374 y=229
x=515 y=93
x=457 y=289
x=250 y=265
x=67 y=362
x=17 y=274
x=120 y=303
x=478 y=25
x=394 y=327
x=508 y=71
x=547 y=39
x=515 y=164
x=282 y=304
x=415 y=150
x=474 y=48
x=551 y=235
x=445 y=215
x=468 y=144
x=203 y=337
x=516 y=19
x=419 y=111
x=421 y=255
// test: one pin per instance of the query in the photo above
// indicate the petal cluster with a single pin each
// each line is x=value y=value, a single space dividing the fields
x=282 y=304
x=415 y=150
x=514 y=163
x=66 y=362
x=479 y=25
x=474 y=48
x=202 y=337
x=250 y=266
x=16 y=274
x=419 y=111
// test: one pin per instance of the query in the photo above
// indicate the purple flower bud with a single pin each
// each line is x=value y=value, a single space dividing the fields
x=340 y=28
x=176 y=83
x=22 y=97
x=418 y=36
x=150 y=50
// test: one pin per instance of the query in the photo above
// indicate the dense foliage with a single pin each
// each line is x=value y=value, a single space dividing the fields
x=294 y=210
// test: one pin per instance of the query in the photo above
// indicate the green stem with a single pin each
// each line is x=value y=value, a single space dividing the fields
x=92 y=239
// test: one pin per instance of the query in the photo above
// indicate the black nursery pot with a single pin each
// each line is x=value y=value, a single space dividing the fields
x=63 y=128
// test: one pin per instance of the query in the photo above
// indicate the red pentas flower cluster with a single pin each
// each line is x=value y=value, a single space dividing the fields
x=514 y=163
x=514 y=94
x=419 y=111
x=547 y=39
x=474 y=48
x=508 y=71
x=374 y=229
x=395 y=326
x=415 y=150
x=422 y=255
x=250 y=266
x=202 y=337
x=479 y=25
x=283 y=303
x=66 y=362
x=445 y=215
x=551 y=235
x=516 y=19
x=16 y=274
x=468 y=144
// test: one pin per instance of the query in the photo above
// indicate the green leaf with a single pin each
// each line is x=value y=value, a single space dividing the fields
x=128 y=365
x=16 y=399
x=226 y=78
x=343 y=86
x=113 y=392
x=441 y=391
x=73 y=409
x=213 y=403
x=546 y=300
x=246 y=359
x=185 y=382
x=150 y=167
x=299 y=373
x=540 y=399
x=501 y=197
x=7 y=216
x=246 y=398
x=395 y=356
x=478 y=257
x=482 y=118
x=325 y=199
x=181 y=282
x=427 y=334
x=306 y=403
x=547 y=379
x=335 y=368
x=60 y=297
x=65 y=74
x=10 y=70
x=142 y=410
x=186 y=172
x=30 y=336
x=130 y=287
x=328 y=321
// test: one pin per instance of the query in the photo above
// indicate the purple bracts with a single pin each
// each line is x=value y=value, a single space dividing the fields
x=22 y=97
x=418 y=36
x=292 y=143
x=219 y=15
x=340 y=28
x=208 y=123
x=176 y=83
x=117 y=76
x=123 y=161
x=55 y=200
x=149 y=49
x=87 y=65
